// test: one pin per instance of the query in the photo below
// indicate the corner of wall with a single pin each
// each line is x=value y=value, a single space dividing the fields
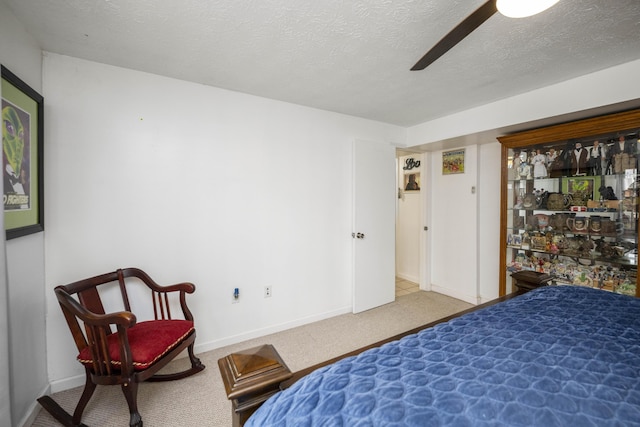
x=28 y=376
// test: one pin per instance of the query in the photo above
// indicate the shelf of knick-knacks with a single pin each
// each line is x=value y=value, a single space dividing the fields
x=570 y=203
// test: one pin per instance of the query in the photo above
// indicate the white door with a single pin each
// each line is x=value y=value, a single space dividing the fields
x=374 y=193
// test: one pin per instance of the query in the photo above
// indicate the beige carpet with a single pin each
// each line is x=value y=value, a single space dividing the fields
x=200 y=400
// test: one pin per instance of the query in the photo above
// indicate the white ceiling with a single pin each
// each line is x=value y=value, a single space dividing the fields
x=351 y=57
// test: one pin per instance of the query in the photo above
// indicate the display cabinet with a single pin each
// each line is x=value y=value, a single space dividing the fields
x=569 y=203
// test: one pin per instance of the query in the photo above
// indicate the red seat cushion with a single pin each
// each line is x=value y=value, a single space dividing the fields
x=149 y=341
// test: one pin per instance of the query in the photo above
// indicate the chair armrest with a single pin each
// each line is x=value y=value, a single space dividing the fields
x=161 y=306
x=178 y=287
x=136 y=272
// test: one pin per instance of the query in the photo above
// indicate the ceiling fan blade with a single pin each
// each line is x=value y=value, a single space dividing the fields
x=456 y=35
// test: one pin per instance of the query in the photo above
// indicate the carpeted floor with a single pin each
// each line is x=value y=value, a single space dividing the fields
x=200 y=400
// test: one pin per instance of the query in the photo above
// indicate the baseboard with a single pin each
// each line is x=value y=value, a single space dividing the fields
x=486 y=299
x=475 y=300
x=67 y=383
x=78 y=381
x=408 y=277
x=34 y=409
x=212 y=345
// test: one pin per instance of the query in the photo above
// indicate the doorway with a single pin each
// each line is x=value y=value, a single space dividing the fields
x=409 y=220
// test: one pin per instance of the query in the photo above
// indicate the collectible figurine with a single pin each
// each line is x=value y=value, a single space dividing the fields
x=597 y=159
x=519 y=200
x=552 y=155
x=623 y=154
x=516 y=164
x=524 y=170
x=559 y=162
x=579 y=159
x=539 y=165
x=606 y=193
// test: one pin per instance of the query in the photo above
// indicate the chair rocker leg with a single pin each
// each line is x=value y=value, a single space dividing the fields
x=196 y=366
x=89 y=388
x=130 y=391
x=57 y=412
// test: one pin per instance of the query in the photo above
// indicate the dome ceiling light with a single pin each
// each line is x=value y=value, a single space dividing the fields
x=523 y=8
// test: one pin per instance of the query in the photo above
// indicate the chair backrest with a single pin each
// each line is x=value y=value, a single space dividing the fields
x=88 y=313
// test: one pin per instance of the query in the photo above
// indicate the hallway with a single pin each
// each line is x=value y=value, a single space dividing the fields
x=405 y=287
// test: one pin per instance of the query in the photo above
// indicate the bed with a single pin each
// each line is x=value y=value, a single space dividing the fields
x=555 y=356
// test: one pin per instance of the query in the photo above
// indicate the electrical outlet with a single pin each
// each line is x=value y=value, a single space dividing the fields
x=267 y=291
x=235 y=297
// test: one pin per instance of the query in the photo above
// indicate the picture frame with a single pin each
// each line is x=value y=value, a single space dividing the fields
x=453 y=162
x=23 y=156
x=588 y=185
x=516 y=240
x=412 y=182
x=538 y=243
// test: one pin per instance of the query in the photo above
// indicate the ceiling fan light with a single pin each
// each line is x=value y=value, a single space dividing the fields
x=523 y=8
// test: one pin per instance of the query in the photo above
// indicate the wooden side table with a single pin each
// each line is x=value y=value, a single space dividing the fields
x=528 y=280
x=250 y=377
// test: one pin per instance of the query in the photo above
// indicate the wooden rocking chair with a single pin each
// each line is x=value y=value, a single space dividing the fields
x=114 y=348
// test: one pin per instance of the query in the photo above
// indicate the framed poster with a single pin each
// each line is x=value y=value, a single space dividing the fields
x=453 y=162
x=412 y=181
x=22 y=157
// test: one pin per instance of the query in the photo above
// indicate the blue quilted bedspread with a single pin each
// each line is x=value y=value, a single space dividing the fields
x=556 y=356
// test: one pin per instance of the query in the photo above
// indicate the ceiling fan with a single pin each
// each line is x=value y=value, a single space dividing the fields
x=510 y=8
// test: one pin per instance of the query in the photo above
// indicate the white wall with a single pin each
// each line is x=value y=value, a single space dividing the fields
x=453 y=230
x=409 y=220
x=464 y=227
x=22 y=301
x=488 y=221
x=194 y=183
x=611 y=86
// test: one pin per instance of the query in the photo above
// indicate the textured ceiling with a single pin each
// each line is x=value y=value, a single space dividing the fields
x=351 y=57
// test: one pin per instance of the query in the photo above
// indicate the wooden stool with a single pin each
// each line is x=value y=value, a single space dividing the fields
x=250 y=377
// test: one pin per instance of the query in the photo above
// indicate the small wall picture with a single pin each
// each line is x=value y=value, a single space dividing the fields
x=453 y=162
x=538 y=243
x=412 y=181
x=584 y=185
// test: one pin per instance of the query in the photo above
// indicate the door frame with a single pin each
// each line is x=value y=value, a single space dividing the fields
x=424 y=244
x=425 y=214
